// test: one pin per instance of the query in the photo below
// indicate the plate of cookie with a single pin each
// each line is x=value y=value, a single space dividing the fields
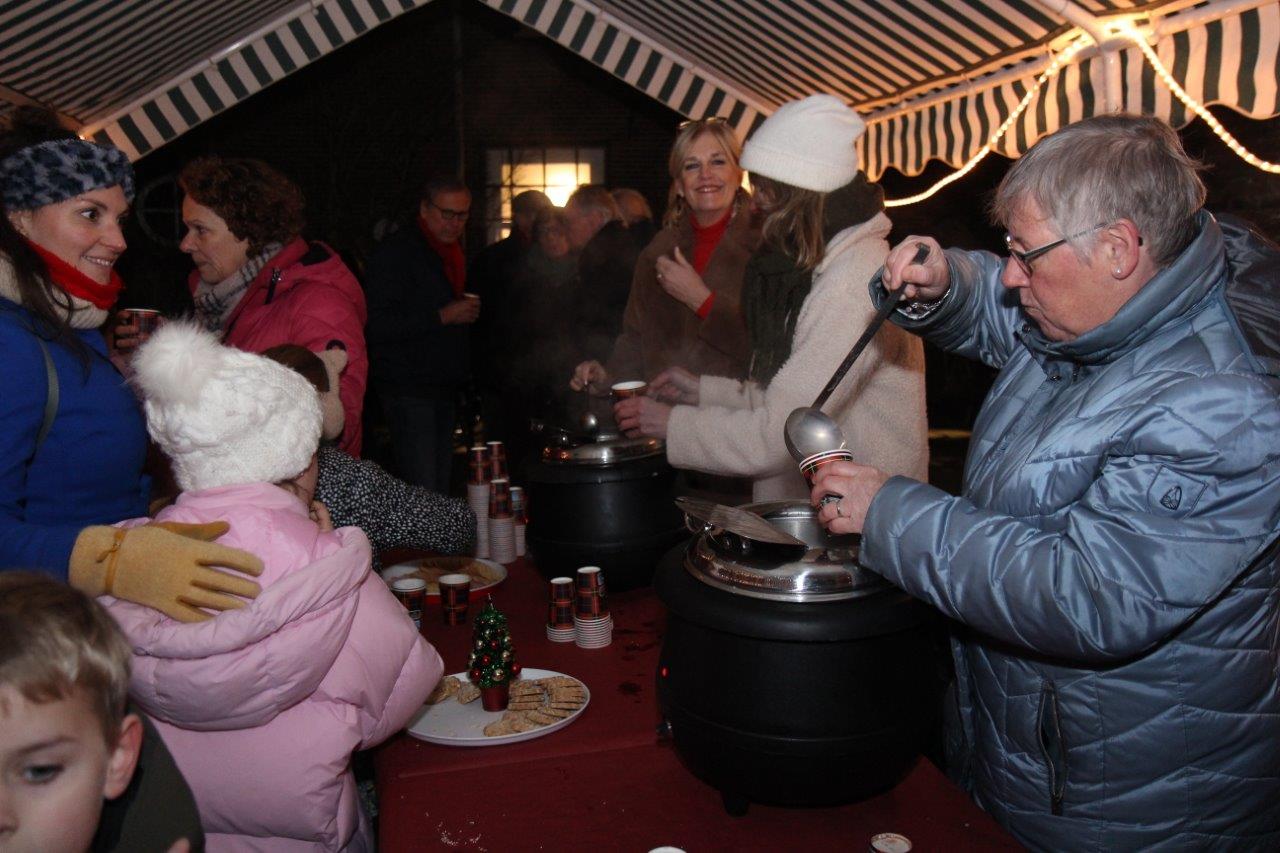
x=541 y=702
x=485 y=574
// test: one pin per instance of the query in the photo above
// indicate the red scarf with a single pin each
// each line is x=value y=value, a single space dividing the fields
x=455 y=262
x=706 y=238
x=76 y=283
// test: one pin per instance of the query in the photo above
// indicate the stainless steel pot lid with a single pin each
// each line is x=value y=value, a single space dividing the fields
x=827 y=570
x=608 y=452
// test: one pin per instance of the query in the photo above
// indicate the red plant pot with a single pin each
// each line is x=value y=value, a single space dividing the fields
x=494 y=698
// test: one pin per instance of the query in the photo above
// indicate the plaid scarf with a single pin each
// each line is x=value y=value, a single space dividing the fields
x=215 y=302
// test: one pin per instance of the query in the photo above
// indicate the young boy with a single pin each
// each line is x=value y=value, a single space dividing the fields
x=66 y=742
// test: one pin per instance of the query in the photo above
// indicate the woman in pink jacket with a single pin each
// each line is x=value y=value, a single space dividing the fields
x=263 y=705
x=257 y=283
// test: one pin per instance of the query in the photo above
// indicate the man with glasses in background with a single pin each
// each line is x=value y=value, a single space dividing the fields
x=1112 y=562
x=418 y=334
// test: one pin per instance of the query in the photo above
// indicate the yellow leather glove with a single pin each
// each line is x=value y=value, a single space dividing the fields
x=164 y=566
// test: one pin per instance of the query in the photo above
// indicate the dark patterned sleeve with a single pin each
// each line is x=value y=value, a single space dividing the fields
x=391 y=512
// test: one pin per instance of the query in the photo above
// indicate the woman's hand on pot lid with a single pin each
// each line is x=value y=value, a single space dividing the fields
x=642 y=416
x=677 y=386
x=857 y=483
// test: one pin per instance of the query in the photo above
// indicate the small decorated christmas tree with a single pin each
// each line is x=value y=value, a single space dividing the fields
x=493 y=656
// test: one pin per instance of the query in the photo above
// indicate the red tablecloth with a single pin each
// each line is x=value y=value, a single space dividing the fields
x=607 y=782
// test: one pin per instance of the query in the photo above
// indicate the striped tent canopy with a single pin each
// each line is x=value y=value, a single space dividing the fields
x=933 y=78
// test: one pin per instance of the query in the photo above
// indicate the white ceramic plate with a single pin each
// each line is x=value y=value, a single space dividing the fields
x=453 y=724
x=498 y=570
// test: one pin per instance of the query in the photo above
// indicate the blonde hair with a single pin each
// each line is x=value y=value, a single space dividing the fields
x=54 y=639
x=793 y=220
x=718 y=129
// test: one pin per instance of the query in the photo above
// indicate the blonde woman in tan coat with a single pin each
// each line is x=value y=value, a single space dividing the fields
x=683 y=310
x=805 y=300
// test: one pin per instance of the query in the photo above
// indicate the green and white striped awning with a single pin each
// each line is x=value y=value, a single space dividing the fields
x=933 y=78
x=140 y=73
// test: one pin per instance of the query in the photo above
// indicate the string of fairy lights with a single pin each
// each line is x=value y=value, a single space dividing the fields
x=1120 y=29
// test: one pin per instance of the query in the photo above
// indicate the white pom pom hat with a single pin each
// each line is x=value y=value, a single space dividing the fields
x=807 y=144
x=224 y=417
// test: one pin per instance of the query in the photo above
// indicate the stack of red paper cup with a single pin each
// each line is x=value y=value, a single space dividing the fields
x=478 y=495
x=560 y=627
x=592 y=624
x=502 y=525
x=518 y=509
x=497 y=460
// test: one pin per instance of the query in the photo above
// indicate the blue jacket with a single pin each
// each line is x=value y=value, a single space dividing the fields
x=1113 y=559
x=89 y=469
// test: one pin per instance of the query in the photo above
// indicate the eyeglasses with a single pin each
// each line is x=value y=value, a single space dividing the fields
x=703 y=122
x=451 y=215
x=1024 y=259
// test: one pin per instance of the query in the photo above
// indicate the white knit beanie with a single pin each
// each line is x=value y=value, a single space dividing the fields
x=807 y=144
x=224 y=417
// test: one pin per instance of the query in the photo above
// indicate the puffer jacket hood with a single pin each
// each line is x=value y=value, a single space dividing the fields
x=1253 y=291
x=1113 y=560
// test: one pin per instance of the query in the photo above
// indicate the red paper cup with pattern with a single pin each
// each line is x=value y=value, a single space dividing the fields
x=560 y=614
x=590 y=578
x=478 y=465
x=147 y=320
x=811 y=465
x=631 y=388
x=560 y=589
x=497 y=460
x=455 y=594
x=500 y=498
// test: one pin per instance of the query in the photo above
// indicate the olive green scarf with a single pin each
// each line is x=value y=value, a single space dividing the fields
x=774 y=288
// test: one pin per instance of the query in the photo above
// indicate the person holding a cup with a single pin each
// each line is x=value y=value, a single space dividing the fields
x=258 y=283
x=805 y=301
x=683 y=308
x=72 y=437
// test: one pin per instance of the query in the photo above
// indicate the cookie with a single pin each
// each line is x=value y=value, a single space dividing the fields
x=525 y=688
x=447 y=687
x=467 y=693
x=559 y=681
x=521 y=722
x=541 y=717
x=498 y=728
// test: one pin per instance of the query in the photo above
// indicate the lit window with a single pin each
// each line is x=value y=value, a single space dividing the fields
x=555 y=171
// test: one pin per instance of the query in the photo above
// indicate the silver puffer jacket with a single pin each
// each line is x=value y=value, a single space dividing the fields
x=1113 y=561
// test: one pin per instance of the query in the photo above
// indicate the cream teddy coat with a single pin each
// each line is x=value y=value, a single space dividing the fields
x=737 y=427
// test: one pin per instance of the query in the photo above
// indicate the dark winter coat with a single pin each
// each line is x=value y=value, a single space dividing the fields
x=411 y=352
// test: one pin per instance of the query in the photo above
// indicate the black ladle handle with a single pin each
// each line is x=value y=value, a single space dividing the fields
x=890 y=303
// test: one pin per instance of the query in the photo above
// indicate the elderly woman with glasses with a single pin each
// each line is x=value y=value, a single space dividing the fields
x=1112 y=562
x=684 y=310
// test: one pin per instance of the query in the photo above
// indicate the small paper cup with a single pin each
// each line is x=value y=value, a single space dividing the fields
x=631 y=388
x=455 y=594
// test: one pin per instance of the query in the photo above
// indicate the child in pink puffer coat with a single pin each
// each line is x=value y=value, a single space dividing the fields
x=263 y=706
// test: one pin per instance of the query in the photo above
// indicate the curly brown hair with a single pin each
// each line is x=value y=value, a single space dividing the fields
x=258 y=203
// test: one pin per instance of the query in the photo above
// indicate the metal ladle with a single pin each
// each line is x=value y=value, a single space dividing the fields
x=588 y=422
x=808 y=430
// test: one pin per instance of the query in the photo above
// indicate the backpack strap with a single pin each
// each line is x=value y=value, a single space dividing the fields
x=51 y=396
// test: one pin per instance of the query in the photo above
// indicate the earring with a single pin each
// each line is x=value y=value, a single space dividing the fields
x=1117 y=271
